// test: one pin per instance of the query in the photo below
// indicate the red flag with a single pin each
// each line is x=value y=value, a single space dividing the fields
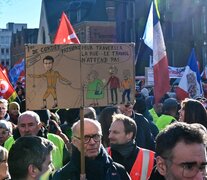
x=6 y=89
x=4 y=70
x=65 y=33
x=153 y=38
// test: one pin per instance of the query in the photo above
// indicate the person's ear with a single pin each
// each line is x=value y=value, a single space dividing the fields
x=74 y=141
x=161 y=165
x=33 y=171
x=40 y=125
x=129 y=136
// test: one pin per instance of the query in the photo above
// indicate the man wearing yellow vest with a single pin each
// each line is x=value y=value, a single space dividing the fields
x=137 y=161
x=170 y=111
x=29 y=124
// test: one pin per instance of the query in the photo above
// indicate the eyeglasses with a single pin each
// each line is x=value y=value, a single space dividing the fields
x=87 y=138
x=190 y=169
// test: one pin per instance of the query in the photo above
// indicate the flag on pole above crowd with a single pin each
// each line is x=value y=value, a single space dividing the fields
x=190 y=84
x=153 y=38
x=6 y=89
x=4 y=70
x=65 y=33
x=17 y=73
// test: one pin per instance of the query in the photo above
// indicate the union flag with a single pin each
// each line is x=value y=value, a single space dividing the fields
x=65 y=33
x=6 y=89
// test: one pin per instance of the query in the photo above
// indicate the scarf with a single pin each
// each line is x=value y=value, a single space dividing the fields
x=124 y=149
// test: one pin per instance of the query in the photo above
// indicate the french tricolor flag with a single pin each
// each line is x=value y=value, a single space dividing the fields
x=153 y=38
x=190 y=84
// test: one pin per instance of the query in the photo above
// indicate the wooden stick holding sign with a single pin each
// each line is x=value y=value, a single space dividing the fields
x=82 y=174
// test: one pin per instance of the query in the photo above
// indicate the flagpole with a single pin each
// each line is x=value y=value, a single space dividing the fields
x=138 y=51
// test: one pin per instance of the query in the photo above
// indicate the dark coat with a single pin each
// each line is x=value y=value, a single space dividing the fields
x=101 y=168
x=155 y=175
x=144 y=137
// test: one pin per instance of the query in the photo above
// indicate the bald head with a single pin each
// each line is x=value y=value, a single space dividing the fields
x=29 y=123
x=31 y=115
x=92 y=137
x=87 y=122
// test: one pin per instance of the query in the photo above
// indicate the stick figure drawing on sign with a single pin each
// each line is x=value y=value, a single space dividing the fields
x=94 y=88
x=51 y=77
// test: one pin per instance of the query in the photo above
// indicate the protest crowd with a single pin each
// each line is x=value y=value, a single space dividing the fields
x=145 y=137
x=132 y=140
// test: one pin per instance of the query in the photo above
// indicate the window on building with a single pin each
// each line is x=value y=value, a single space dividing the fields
x=1 y=40
x=7 y=62
x=19 y=40
x=2 y=50
x=129 y=10
x=7 y=50
x=79 y=15
x=203 y=20
x=7 y=40
x=43 y=36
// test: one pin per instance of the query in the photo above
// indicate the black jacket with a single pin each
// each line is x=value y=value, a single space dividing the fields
x=155 y=175
x=144 y=137
x=101 y=168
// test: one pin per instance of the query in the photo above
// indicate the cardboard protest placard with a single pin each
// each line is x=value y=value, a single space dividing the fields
x=70 y=76
x=107 y=71
x=52 y=76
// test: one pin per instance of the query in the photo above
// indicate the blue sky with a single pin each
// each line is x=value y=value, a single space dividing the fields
x=20 y=11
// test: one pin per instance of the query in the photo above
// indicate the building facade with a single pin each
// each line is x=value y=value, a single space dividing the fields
x=5 y=42
x=184 y=26
x=92 y=20
x=19 y=39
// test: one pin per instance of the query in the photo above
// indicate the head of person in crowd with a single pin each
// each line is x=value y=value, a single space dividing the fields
x=14 y=112
x=105 y=119
x=193 y=111
x=14 y=108
x=145 y=92
x=5 y=131
x=98 y=164
x=29 y=123
x=4 y=170
x=123 y=130
x=170 y=107
x=140 y=105
x=92 y=137
x=158 y=108
x=54 y=127
x=54 y=116
x=126 y=109
x=30 y=157
x=90 y=112
x=150 y=102
x=3 y=109
x=44 y=115
x=181 y=152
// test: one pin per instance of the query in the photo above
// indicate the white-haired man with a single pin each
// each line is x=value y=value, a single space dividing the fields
x=98 y=163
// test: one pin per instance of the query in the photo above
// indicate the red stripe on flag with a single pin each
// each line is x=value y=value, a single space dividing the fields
x=181 y=94
x=161 y=79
